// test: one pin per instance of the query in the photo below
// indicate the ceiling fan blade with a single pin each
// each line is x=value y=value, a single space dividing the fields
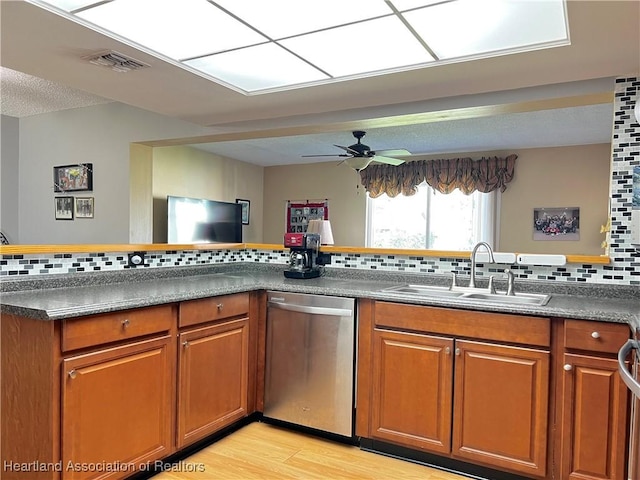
x=347 y=149
x=330 y=155
x=388 y=160
x=401 y=152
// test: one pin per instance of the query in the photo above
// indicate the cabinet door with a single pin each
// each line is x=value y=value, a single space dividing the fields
x=116 y=409
x=412 y=382
x=594 y=419
x=501 y=406
x=212 y=382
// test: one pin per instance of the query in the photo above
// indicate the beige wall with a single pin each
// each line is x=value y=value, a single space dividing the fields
x=188 y=172
x=316 y=181
x=557 y=177
x=545 y=177
x=140 y=194
x=575 y=176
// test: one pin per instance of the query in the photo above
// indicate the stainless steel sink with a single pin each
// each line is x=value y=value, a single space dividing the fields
x=423 y=290
x=428 y=291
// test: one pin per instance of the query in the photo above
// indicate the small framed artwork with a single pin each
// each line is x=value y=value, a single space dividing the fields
x=84 y=207
x=73 y=178
x=299 y=214
x=245 y=210
x=560 y=223
x=63 y=208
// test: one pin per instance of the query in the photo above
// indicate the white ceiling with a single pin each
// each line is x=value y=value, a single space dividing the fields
x=542 y=98
x=558 y=127
x=24 y=95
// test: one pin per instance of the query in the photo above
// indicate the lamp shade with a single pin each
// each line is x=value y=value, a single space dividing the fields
x=323 y=227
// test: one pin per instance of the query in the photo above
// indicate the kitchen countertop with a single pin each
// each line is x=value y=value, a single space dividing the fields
x=73 y=295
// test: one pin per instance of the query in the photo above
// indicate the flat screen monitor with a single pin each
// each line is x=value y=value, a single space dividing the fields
x=198 y=220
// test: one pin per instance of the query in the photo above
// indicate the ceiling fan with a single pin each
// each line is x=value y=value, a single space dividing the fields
x=359 y=156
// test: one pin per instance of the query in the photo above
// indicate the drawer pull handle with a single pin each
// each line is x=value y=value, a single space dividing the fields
x=595 y=335
x=568 y=367
x=185 y=344
x=219 y=306
x=125 y=323
x=72 y=374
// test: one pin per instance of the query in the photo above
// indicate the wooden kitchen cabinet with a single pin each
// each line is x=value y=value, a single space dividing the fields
x=213 y=378
x=492 y=410
x=88 y=397
x=593 y=428
x=214 y=360
x=116 y=408
x=412 y=389
x=433 y=389
x=501 y=398
x=99 y=396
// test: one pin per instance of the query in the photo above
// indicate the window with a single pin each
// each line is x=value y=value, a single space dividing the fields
x=431 y=220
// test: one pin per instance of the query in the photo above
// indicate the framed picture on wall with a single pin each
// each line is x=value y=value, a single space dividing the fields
x=561 y=223
x=84 y=207
x=245 y=210
x=63 y=208
x=298 y=214
x=73 y=178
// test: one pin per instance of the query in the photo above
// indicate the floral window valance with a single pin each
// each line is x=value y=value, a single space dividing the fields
x=466 y=174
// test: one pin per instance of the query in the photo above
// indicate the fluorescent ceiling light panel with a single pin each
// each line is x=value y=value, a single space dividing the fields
x=178 y=29
x=468 y=27
x=284 y=18
x=239 y=43
x=257 y=68
x=370 y=46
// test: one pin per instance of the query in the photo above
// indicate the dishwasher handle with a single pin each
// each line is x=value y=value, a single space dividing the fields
x=627 y=378
x=337 y=312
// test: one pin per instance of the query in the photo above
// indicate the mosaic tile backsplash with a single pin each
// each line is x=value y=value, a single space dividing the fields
x=19 y=265
x=624 y=268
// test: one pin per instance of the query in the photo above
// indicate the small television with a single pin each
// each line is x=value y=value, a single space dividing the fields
x=198 y=220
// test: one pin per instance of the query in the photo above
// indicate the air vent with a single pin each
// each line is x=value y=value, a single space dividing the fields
x=115 y=61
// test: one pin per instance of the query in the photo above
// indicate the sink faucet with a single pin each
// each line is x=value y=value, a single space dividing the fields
x=510 y=282
x=472 y=282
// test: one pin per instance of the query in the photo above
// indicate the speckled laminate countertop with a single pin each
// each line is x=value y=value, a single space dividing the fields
x=66 y=296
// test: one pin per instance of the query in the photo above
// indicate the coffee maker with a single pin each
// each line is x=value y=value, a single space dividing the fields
x=304 y=249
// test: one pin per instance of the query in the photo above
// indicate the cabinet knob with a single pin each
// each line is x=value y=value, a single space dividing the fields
x=595 y=335
x=72 y=373
x=458 y=352
x=567 y=367
x=447 y=351
x=185 y=344
x=219 y=306
x=125 y=323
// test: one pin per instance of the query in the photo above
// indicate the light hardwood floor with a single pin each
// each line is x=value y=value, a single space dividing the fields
x=260 y=451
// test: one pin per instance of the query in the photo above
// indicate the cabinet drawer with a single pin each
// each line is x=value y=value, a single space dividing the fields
x=111 y=327
x=204 y=310
x=595 y=336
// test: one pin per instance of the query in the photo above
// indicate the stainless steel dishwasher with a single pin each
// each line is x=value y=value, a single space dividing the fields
x=309 y=377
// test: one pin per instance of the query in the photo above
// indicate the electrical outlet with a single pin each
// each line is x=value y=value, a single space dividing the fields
x=136 y=259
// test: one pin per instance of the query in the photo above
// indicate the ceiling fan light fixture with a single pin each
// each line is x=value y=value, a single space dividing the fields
x=358 y=163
